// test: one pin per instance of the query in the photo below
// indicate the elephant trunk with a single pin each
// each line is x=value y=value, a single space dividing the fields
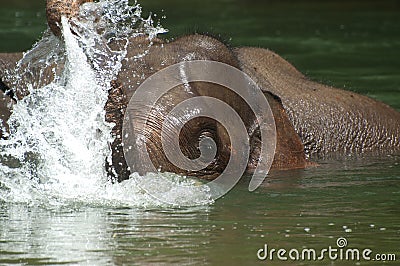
x=55 y=9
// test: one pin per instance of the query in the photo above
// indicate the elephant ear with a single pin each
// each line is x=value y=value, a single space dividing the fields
x=268 y=69
x=289 y=152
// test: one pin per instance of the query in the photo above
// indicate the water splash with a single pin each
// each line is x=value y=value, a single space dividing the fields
x=59 y=140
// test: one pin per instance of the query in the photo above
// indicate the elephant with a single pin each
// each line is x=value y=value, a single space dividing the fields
x=311 y=119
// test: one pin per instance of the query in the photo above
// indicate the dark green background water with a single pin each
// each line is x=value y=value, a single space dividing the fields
x=348 y=44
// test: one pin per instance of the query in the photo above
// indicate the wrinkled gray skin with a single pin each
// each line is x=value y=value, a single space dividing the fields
x=311 y=118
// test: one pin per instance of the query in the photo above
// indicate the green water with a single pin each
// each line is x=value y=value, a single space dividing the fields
x=350 y=44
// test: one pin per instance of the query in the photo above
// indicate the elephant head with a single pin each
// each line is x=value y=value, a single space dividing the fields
x=160 y=55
